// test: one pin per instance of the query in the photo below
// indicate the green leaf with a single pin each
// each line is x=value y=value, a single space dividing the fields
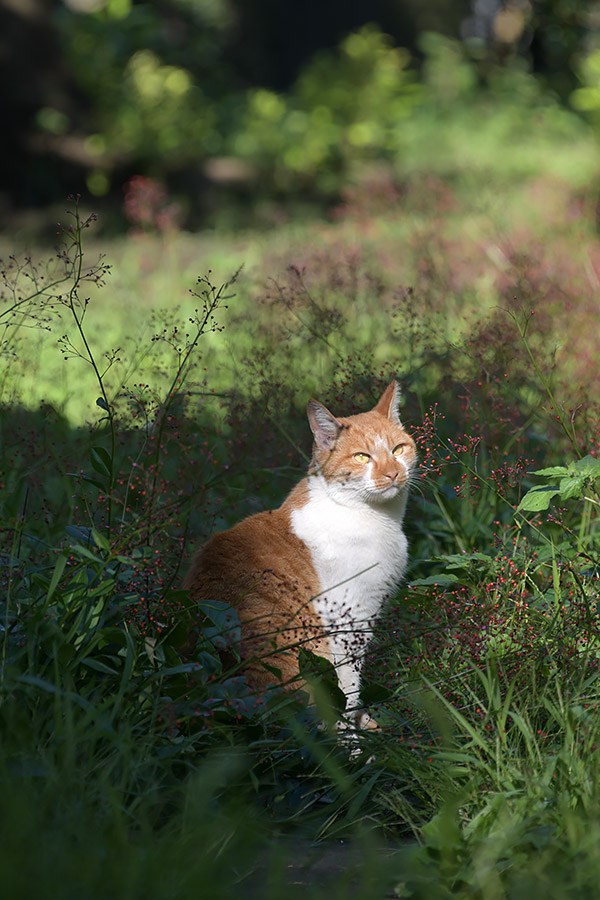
x=571 y=487
x=130 y=658
x=101 y=461
x=441 y=580
x=35 y=681
x=443 y=832
x=224 y=618
x=56 y=575
x=210 y=664
x=83 y=551
x=10 y=562
x=65 y=654
x=462 y=560
x=183 y=668
x=98 y=666
x=317 y=670
x=552 y=471
x=589 y=466
x=272 y=669
x=99 y=540
x=313 y=666
x=361 y=795
x=374 y=693
x=87 y=478
x=79 y=532
x=538 y=498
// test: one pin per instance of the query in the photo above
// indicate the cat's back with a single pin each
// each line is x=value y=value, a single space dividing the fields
x=262 y=546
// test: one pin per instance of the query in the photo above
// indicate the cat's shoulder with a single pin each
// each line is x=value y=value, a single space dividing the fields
x=297 y=498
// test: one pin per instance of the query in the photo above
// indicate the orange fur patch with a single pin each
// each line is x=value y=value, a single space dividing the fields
x=265 y=572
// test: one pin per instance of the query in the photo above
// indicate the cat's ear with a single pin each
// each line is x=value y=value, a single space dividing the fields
x=324 y=426
x=389 y=403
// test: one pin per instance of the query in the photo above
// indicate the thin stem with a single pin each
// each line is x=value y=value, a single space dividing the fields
x=71 y=303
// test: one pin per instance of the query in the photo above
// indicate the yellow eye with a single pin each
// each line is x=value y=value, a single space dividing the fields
x=362 y=457
x=399 y=450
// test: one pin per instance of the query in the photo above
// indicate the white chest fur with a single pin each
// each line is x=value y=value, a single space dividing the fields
x=359 y=553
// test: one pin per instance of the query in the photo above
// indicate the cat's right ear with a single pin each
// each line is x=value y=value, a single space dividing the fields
x=324 y=426
x=389 y=403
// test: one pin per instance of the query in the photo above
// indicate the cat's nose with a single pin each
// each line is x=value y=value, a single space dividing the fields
x=391 y=475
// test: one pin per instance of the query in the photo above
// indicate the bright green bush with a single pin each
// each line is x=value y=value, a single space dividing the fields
x=345 y=108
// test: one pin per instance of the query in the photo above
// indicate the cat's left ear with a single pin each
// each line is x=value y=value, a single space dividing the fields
x=389 y=403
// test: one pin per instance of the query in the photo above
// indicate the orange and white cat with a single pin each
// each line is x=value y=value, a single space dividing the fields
x=314 y=572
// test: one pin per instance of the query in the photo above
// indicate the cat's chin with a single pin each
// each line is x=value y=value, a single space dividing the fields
x=384 y=495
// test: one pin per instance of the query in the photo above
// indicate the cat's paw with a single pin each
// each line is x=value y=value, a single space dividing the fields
x=366 y=722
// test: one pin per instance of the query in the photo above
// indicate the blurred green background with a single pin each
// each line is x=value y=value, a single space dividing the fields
x=238 y=108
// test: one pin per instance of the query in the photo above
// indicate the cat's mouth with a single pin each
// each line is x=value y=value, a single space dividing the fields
x=387 y=491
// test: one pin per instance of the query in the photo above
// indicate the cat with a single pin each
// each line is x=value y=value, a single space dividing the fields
x=315 y=571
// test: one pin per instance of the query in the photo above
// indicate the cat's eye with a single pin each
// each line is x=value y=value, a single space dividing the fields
x=362 y=457
x=399 y=450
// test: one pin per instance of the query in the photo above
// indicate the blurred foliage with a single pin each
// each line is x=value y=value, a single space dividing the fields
x=587 y=97
x=363 y=105
x=142 y=107
x=344 y=107
x=283 y=102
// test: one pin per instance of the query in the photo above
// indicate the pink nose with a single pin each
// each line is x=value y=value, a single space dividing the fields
x=391 y=475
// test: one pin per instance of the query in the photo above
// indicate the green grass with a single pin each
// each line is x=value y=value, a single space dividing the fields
x=129 y=771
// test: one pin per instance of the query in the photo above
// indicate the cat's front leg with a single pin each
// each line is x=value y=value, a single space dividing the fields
x=348 y=676
x=356 y=715
x=364 y=720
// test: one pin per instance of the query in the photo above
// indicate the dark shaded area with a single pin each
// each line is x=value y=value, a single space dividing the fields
x=32 y=75
x=274 y=41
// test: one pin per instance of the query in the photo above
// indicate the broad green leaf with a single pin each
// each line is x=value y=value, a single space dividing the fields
x=374 y=693
x=538 y=498
x=441 y=580
x=589 y=466
x=313 y=666
x=99 y=540
x=317 y=669
x=272 y=669
x=211 y=664
x=552 y=471
x=79 y=532
x=223 y=616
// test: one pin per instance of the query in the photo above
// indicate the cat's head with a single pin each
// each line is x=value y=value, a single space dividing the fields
x=366 y=458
